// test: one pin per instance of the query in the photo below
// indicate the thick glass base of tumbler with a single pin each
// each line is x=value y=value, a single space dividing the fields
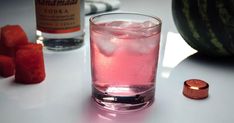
x=127 y=102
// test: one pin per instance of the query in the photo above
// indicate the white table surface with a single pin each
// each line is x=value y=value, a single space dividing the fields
x=64 y=96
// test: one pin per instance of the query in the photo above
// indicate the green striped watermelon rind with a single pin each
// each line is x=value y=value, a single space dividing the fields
x=201 y=25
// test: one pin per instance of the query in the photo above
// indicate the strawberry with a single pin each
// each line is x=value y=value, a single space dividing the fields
x=7 y=67
x=13 y=35
x=29 y=64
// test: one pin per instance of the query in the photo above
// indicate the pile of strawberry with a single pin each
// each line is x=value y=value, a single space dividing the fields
x=19 y=57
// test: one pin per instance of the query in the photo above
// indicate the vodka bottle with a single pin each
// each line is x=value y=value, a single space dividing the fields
x=60 y=23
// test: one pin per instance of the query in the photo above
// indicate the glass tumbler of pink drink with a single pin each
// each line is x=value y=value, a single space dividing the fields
x=124 y=57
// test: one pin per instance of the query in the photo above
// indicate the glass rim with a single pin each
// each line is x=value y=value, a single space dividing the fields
x=91 y=20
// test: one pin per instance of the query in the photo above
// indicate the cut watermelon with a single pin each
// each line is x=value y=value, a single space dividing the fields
x=29 y=64
x=7 y=51
x=13 y=35
x=0 y=35
x=30 y=46
x=7 y=67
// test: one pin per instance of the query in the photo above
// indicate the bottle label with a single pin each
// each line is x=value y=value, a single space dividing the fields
x=58 y=16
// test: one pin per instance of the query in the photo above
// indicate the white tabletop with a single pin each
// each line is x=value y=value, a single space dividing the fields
x=65 y=95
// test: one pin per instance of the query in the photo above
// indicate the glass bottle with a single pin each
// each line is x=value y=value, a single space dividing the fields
x=60 y=24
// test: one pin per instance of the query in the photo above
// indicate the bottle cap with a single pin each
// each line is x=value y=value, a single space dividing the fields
x=195 y=89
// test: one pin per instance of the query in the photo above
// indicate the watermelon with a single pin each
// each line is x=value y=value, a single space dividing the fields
x=7 y=51
x=29 y=64
x=206 y=25
x=11 y=36
x=7 y=66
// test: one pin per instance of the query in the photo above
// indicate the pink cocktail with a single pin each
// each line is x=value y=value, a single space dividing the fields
x=124 y=56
